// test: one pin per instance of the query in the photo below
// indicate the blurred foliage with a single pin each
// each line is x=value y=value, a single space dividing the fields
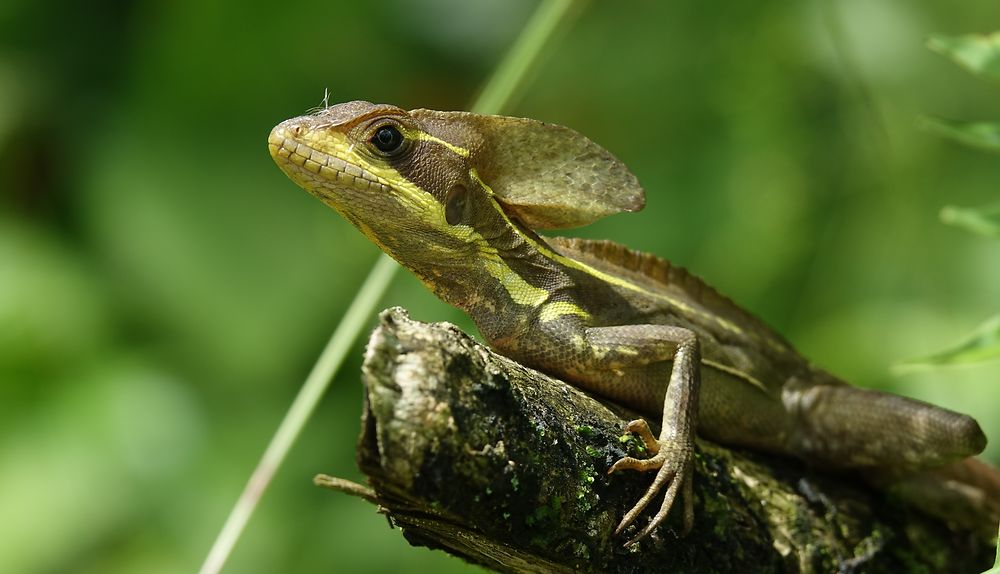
x=983 y=220
x=984 y=135
x=164 y=289
x=980 y=54
x=982 y=344
x=996 y=563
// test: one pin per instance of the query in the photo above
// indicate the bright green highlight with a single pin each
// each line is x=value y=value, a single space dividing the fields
x=978 y=53
x=981 y=345
x=980 y=220
x=996 y=563
x=982 y=135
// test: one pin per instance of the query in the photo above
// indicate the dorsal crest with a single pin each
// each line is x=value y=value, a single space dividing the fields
x=646 y=268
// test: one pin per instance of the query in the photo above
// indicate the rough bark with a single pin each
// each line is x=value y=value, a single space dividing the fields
x=477 y=455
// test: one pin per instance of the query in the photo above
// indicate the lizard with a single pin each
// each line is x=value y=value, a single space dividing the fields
x=459 y=199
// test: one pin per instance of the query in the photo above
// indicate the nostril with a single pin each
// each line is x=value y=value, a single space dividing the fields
x=297 y=131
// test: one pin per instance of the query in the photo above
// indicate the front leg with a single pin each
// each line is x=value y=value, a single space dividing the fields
x=631 y=346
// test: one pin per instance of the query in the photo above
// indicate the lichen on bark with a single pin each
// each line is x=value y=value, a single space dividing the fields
x=474 y=454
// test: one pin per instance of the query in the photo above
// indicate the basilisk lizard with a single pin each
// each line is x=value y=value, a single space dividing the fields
x=455 y=197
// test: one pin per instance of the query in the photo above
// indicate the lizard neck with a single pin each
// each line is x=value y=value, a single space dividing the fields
x=501 y=279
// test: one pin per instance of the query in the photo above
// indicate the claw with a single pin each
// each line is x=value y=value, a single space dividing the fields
x=668 y=501
x=672 y=461
x=664 y=475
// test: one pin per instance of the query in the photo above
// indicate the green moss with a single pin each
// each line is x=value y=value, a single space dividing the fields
x=632 y=443
x=540 y=514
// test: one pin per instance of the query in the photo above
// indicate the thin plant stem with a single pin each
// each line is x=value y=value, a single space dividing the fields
x=496 y=95
x=550 y=17
x=302 y=408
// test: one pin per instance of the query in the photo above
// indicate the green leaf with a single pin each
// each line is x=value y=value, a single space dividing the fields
x=983 y=135
x=982 y=344
x=982 y=220
x=996 y=564
x=978 y=53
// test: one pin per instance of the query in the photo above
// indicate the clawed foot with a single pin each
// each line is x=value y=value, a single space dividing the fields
x=672 y=459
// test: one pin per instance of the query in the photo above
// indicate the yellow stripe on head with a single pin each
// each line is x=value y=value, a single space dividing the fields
x=421 y=135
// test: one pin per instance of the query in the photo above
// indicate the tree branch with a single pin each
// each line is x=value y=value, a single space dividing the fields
x=477 y=455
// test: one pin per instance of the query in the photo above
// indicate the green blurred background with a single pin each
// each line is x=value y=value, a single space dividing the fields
x=164 y=289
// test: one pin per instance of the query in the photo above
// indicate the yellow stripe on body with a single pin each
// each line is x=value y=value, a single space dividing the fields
x=520 y=291
x=734 y=372
x=556 y=309
x=618 y=281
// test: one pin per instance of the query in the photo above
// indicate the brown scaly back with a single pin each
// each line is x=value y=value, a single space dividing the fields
x=646 y=268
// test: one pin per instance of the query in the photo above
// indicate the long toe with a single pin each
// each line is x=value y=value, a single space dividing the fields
x=640 y=464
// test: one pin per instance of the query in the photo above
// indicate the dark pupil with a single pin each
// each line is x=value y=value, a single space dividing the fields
x=387 y=139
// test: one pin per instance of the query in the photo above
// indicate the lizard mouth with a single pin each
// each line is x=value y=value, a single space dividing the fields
x=316 y=171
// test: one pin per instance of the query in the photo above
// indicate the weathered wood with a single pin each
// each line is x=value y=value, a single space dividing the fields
x=474 y=454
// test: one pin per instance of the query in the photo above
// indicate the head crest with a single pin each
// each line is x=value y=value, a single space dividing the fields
x=548 y=176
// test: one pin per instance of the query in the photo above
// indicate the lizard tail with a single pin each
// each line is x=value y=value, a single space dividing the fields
x=965 y=493
x=983 y=480
x=919 y=451
x=977 y=474
x=849 y=427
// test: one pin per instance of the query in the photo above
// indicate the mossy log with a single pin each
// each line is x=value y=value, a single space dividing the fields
x=474 y=454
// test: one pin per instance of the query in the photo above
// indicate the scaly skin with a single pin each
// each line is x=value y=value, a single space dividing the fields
x=454 y=198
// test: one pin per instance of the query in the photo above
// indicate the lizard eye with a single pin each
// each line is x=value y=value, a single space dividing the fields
x=387 y=139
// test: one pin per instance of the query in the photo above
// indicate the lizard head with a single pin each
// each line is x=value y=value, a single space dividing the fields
x=436 y=185
x=381 y=169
